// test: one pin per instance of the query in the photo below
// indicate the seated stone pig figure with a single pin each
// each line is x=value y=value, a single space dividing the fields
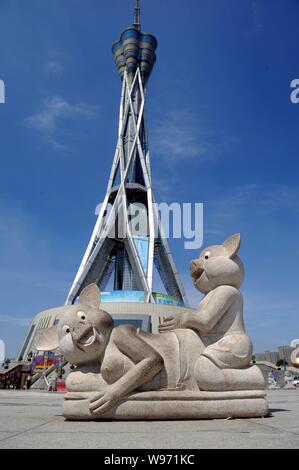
x=117 y=361
x=224 y=364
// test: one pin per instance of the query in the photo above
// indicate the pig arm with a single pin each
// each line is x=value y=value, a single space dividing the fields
x=148 y=363
x=207 y=314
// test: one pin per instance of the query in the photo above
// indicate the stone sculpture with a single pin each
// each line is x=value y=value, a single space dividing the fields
x=197 y=367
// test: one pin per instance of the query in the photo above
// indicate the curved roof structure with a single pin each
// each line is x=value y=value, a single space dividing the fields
x=135 y=49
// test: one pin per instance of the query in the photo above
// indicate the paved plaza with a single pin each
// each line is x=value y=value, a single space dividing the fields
x=34 y=420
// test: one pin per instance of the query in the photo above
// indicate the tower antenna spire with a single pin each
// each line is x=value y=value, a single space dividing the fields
x=137 y=15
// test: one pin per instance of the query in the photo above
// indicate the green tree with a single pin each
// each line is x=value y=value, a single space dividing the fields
x=6 y=363
x=282 y=363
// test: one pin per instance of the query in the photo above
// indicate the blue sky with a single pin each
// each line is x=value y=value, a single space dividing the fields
x=222 y=127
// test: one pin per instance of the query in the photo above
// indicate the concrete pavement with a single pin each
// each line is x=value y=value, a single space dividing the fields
x=34 y=420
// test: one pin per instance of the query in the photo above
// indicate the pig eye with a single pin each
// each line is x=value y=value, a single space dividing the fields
x=66 y=329
x=207 y=255
x=81 y=315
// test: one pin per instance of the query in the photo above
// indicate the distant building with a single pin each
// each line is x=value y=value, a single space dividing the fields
x=268 y=356
x=282 y=352
x=271 y=356
x=285 y=352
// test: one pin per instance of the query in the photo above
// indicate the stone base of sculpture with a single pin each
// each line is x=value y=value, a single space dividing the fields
x=171 y=405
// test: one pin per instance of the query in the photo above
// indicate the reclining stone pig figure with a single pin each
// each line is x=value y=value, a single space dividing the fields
x=121 y=360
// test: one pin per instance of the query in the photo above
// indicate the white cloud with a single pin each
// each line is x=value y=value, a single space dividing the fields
x=56 y=109
x=10 y=320
x=179 y=136
x=264 y=198
x=54 y=68
x=165 y=187
x=230 y=206
x=55 y=112
x=257 y=19
x=280 y=197
x=213 y=232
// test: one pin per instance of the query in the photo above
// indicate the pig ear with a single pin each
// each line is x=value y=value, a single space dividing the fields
x=232 y=245
x=90 y=296
x=47 y=340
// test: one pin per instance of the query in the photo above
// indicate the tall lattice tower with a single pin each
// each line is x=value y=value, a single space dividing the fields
x=127 y=255
x=121 y=253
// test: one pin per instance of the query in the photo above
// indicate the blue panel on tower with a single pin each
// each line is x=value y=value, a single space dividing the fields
x=142 y=246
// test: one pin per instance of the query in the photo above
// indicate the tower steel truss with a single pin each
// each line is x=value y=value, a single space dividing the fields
x=114 y=245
